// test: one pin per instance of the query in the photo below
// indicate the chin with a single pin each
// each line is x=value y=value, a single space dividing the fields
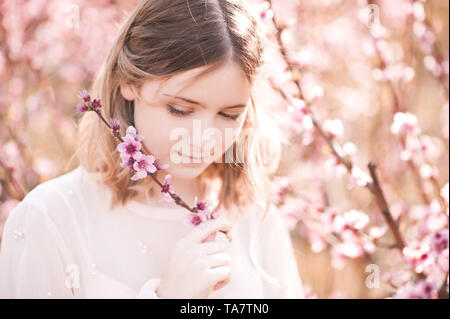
x=187 y=171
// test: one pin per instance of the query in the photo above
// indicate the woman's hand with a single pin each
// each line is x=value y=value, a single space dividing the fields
x=196 y=265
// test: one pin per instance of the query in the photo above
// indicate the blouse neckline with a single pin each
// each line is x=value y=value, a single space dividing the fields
x=167 y=211
x=161 y=211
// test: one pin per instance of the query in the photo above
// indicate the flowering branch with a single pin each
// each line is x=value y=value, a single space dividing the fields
x=414 y=254
x=406 y=121
x=435 y=60
x=306 y=108
x=130 y=149
x=414 y=152
x=381 y=200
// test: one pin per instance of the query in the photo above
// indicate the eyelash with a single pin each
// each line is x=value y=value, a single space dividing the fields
x=180 y=113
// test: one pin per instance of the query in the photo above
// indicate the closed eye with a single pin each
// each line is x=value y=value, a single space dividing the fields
x=229 y=116
x=177 y=112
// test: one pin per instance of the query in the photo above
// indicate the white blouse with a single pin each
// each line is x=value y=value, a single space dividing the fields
x=63 y=241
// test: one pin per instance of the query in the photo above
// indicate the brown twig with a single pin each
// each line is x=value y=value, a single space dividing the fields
x=9 y=171
x=381 y=200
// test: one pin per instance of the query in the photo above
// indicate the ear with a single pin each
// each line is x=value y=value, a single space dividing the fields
x=126 y=91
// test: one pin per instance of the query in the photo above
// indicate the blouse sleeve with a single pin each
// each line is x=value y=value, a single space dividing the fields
x=31 y=260
x=278 y=259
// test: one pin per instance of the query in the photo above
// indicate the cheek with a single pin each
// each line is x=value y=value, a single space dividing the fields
x=155 y=125
x=230 y=133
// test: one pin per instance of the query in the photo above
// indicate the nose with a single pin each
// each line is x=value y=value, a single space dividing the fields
x=203 y=133
x=208 y=136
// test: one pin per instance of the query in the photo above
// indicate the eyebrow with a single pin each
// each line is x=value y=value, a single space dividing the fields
x=198 y=103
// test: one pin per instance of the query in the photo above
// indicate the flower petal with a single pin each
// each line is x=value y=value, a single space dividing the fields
x=131 y=131
x=151 y=169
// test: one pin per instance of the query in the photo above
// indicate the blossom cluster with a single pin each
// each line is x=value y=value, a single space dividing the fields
x=420 y=235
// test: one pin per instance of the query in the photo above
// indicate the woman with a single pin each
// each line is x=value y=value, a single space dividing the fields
x=182 y=73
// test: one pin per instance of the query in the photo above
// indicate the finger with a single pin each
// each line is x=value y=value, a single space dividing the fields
x=219 y=259
x=218 y=274
x=211 y=237
x=222 y=238
x=210 y=248
x=210 y=227
x=221 y=284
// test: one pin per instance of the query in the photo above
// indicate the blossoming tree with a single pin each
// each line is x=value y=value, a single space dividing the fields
x=361 y=89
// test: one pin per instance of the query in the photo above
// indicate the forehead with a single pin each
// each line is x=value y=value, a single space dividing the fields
x=226 y=85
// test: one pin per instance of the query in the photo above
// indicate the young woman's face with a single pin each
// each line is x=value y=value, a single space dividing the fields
x=189 y=123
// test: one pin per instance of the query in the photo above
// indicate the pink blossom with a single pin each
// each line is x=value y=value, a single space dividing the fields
x=418 y=255
x=399 y=209
x=130 y=146
x=379 y=32
x=115 y=124
x=262 y=10
x=327 y=218
x=420 y=149
x=377 y=232
x=432 y=65
x=315 y=94
x=197 y=219
x=298 y=109
x=425 y=37
x=349 y=149
x=418 y=11
x=84 y=95
x=350 y=249
x=166 y=189
x=359 y=177
x=96 y=104
x=333 y=128
x=356 y=219
x=160 y=166
x=439 y=241
x=280 y=188
x=428 y=171
x=203 y=213
x=127 y=161
x=369 y=246
x=82 y=108
x=143 y=165
x=131 y=131
x=420 y=290
x=405 y=123
x=397 y=277
x=333 y=164
x=201 y=206
x=317 y=242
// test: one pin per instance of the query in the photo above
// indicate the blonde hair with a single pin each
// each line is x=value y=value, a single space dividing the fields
x=160 y=39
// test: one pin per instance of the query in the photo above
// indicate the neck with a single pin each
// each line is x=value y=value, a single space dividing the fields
x=187 y=189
